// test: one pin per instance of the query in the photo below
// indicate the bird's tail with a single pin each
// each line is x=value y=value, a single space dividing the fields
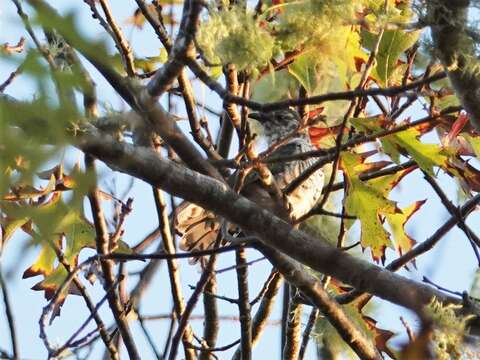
x=197 y=227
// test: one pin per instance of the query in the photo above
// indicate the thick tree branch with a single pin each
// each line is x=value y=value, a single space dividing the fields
x=211 y=194
x=456 y=50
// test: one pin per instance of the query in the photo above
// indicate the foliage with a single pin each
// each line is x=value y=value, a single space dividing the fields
x=233 y=36
x=449 y=329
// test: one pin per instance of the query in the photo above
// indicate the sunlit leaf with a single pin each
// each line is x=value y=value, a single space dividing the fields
x=403 y=242
x=9 y=227
x=368 y=204
x=44 y=264
x=150 y=63
x=427 y=156
x=274 y=86
x=392 y=45
x=303 y=68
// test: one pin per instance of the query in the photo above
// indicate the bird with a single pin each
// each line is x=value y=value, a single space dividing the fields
x=198 y=227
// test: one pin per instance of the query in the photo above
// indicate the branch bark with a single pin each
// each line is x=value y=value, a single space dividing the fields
x=456 y=50
x=214 y=195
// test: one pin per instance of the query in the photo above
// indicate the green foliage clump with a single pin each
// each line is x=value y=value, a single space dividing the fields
x=234 y=36
x=449 y=329
x=312 y=22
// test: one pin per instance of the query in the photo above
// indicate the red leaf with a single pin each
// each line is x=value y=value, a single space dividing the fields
x=457 y=127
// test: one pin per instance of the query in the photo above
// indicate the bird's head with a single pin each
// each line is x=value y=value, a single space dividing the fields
x=277 y=124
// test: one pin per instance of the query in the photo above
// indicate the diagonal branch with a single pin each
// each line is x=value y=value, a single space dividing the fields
x=216 y=196
x=183 y=48
x=173 y=269
x=103 y=248
x=139 y=98
x=318 y=296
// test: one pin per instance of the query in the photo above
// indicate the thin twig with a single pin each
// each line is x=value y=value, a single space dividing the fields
x=10 y=79
x=103 y=248
x=214 y=349
x=410 y=333
x=168 y=340
x=260 y=320
x=453 y=210
x=227 y=318
x=149 y=338
x=26 y=23
x=166 y=256
x=244 y=305
x=195 y=127
x=70 y=341
x=120 y=41
x=233 y=267
x=353 y=104
x=285 y=305
x=9 y=315
x=306 y=333
x=327 y=155
x=183 y=47
x=183 y=321
x=173 y=269
x=211 y=323
x=72 y=277
x=344 y=95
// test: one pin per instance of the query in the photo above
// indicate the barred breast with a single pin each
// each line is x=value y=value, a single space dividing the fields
x=199 y=227
x=305 y=196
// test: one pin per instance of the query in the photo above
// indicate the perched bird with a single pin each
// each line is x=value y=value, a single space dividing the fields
x=199 y=227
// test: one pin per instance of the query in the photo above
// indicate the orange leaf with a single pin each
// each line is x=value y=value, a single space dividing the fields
x=381 y=336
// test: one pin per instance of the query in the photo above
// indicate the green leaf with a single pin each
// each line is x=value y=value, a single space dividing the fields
x=474 y=142
x=303 y=68
x=150 y=63
x=79 y=233
x=44 y=264
x=368 y=204
x=274 y=86
x=9 y=227
x=403 y=242
x=392 y=45
x=427 y=156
